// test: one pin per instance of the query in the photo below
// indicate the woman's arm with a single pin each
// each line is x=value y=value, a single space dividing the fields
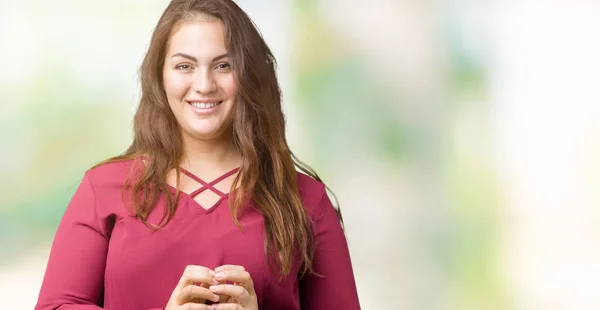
x=74 y=276
x=334 y=287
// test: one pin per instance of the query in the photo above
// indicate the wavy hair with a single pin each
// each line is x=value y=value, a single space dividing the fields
x=267 y=173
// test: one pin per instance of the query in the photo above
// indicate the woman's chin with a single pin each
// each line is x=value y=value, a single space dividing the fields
x=204 y=134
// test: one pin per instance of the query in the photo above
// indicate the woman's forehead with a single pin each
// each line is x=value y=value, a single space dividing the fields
x=198 y=38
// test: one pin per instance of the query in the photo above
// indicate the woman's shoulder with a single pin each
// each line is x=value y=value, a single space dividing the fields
x=311 y=191
x=112 y=173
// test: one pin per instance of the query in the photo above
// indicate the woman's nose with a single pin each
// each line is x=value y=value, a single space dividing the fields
x=204 y=82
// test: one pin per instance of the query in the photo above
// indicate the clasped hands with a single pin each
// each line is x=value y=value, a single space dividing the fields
x=228 y=287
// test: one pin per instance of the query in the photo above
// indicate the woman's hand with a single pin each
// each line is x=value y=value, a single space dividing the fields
x=192 y=290
x=236 y=290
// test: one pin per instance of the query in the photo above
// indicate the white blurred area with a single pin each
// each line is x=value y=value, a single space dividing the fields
x=543 y=66
x=546 y=109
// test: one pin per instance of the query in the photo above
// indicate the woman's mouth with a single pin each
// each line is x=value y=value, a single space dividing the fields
x=204 y=105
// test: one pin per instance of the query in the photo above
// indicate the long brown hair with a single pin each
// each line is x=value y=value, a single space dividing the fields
x=267 y=174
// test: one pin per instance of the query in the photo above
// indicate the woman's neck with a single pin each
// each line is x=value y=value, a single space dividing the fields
x=210 y=157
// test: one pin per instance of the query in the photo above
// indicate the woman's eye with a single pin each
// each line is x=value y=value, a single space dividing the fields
x=223 y=66
x=183 y=67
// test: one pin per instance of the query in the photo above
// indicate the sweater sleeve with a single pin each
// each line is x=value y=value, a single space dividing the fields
x=333 y=286
x=74 y=278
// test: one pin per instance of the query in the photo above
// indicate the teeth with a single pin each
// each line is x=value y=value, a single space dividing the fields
x=202 y=105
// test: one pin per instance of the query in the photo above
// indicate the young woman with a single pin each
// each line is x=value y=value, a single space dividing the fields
x=205 y=209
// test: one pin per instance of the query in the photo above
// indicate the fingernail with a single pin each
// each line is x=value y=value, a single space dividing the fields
x=214 y=281
x=213 y=288
x=215 y=297
x=219 y=268
x=211 y=308
x=219 y=276
x=212 y=273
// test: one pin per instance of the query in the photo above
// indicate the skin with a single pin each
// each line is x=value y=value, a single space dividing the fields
x=199 y=284
x=197 y=69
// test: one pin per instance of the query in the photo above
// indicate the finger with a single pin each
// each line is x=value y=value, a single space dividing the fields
x=195 y=294
x=196 y=274
x=193 y=306
x=237 y=276
x=230 y=290
x=225 y=307
x=229 y=267
x=233 y=276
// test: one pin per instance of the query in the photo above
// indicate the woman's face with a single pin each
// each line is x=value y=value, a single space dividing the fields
x=198 y=79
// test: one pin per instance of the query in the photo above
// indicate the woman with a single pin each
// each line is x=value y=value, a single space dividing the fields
x=145 y=231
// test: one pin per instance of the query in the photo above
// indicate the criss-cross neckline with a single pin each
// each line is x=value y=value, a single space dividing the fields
x=206 y=186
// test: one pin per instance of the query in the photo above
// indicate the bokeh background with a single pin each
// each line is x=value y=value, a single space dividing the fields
x=461 y=137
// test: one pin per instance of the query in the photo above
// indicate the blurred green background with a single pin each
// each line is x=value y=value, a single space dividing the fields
x=461 y=137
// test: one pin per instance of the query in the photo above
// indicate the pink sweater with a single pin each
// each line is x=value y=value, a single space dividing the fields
x=102 y=258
